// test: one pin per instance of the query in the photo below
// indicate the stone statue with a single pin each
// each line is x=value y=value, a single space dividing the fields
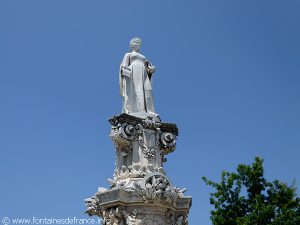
x=140 y=193
x=135 y=82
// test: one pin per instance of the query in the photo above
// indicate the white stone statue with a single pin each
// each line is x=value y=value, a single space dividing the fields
x=135 y=82
x=140 y=192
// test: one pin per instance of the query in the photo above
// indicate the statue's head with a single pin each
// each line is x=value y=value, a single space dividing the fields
x=135 y=44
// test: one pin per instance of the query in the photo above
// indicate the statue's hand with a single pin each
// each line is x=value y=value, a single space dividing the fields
x=126 y=72
x=151 y=69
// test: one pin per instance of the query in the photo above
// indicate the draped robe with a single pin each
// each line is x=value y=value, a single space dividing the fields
x=135 y=84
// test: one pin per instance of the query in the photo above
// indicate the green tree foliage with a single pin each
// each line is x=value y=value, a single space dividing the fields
x=245 y=197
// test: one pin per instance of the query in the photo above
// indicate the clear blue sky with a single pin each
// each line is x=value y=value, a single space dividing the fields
x=228 y=73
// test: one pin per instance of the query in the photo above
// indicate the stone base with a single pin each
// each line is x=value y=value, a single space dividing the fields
x=148 y=201
x=120 y=206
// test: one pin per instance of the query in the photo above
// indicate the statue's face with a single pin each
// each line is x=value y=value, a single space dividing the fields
x=136 y=47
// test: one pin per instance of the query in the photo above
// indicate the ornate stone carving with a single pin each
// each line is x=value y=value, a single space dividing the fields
x=137 y=170
x=93 y=207
x=181 y=220
x=112 y=216
x=139 y=217
x=140 y=192
x=122 y=136
x=132 y=218
x=167 y=142
x=150 y=122
x=141 y=145
x=156 y=187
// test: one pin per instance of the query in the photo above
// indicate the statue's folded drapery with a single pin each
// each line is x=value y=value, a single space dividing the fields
x=135 y=84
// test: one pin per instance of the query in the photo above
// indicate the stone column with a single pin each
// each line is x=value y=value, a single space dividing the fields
x=140 y=193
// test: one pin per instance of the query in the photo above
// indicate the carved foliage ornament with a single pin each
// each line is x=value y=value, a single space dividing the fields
x=137 y=170
x=156 y=187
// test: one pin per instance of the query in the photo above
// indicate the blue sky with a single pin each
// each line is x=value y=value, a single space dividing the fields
x=228 y=74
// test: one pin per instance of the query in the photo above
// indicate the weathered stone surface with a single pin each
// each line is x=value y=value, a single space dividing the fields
x=140 y=193
x=141 y=145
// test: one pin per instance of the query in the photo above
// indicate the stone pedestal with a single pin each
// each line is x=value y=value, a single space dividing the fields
x=140 y=192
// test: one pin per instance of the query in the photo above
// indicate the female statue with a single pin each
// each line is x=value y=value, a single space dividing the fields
x=135 y=82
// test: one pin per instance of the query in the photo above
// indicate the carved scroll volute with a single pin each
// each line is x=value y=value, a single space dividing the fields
x=167 y=142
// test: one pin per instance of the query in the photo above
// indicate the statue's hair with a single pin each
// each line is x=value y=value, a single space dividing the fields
x=135 y=41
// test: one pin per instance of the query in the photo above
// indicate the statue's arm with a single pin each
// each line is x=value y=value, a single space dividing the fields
x=124 y=67
x=124 y=64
